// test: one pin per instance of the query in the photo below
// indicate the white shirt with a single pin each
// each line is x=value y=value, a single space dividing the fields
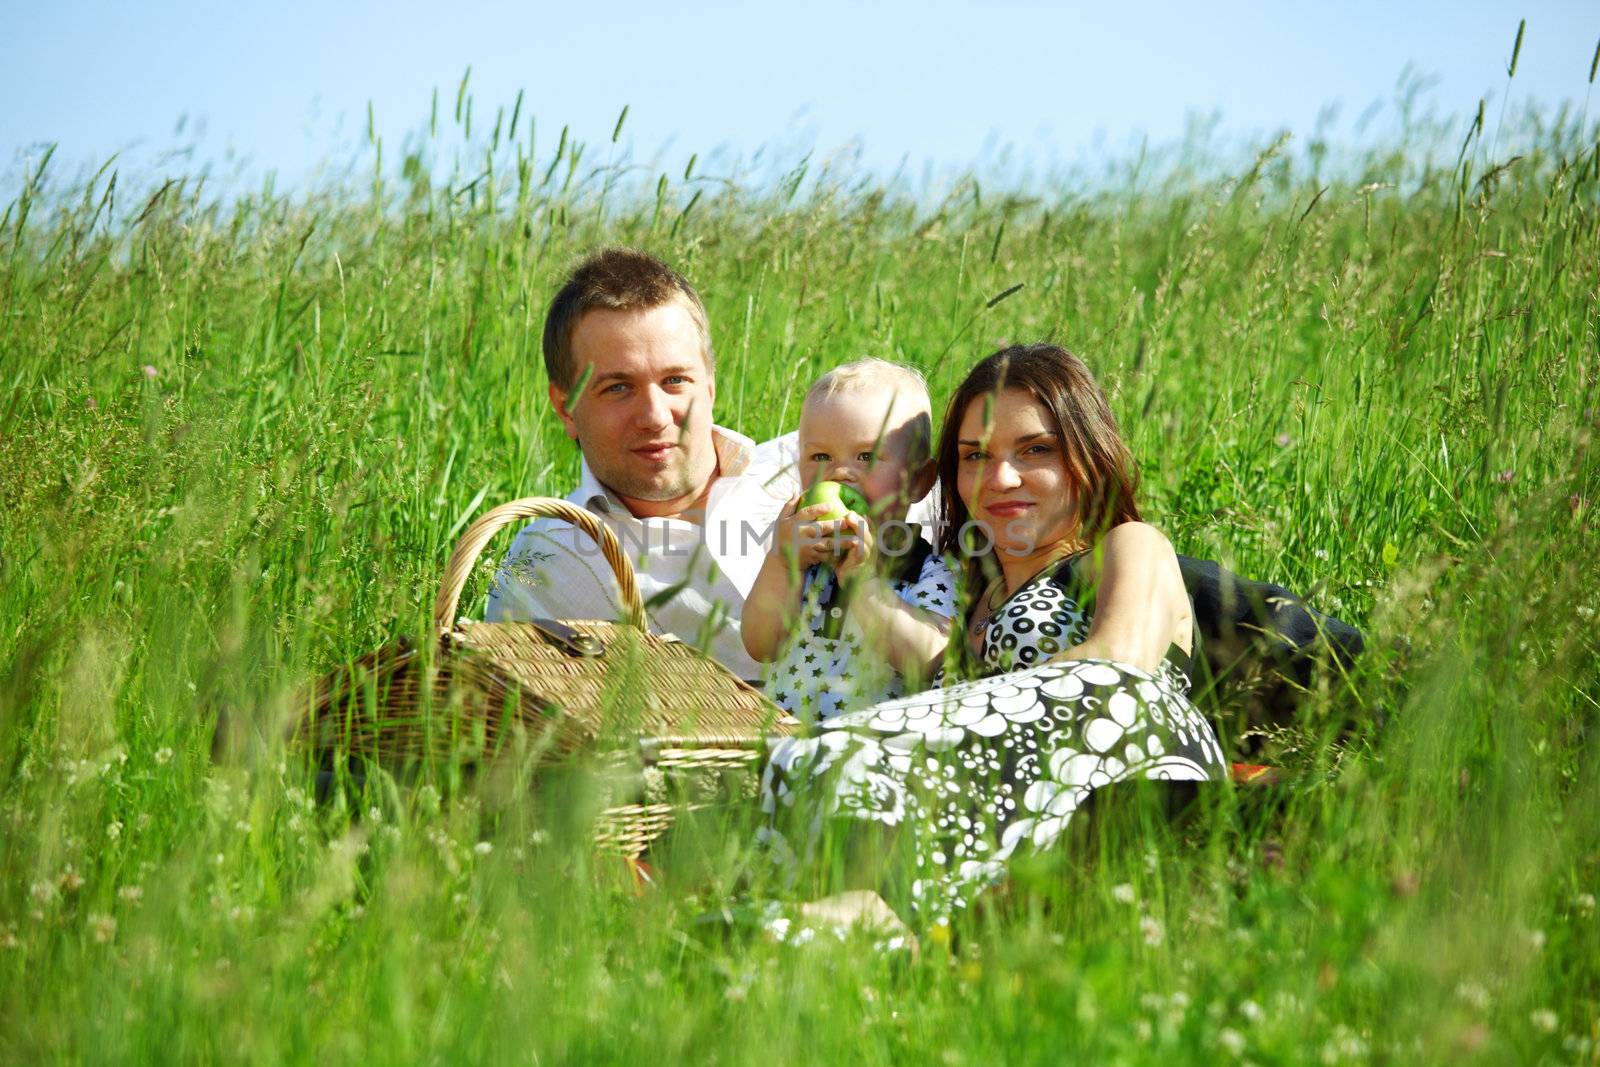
x=702 y=572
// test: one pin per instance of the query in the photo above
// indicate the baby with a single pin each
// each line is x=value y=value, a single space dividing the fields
x=848 y=618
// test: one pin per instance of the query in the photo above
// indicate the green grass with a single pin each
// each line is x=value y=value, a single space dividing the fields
x=237 y=439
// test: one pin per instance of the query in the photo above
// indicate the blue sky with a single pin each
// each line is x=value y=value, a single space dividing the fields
x=284 y=86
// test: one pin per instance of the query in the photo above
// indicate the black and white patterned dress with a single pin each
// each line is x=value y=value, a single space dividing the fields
x=970 y=775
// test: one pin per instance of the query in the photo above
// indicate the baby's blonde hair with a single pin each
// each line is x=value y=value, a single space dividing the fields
x=908 y=386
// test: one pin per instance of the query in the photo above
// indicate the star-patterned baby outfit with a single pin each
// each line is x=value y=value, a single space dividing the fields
x=825 y=669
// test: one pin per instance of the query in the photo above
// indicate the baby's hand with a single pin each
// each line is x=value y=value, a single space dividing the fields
x=863 y=546
x=808 y=539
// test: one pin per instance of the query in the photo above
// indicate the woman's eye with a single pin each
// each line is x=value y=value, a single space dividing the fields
x=1036 y=449
x=974 y=457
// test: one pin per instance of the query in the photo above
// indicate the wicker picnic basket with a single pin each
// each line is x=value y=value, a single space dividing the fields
x=551 y=688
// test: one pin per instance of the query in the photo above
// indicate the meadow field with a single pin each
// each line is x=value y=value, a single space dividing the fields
x=239 y=435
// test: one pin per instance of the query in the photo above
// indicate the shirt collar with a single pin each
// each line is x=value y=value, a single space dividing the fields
x=734 y=452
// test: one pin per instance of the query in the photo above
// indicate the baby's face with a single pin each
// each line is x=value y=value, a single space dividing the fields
x=845 y=438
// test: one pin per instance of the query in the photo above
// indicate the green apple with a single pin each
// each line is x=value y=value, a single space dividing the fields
x=844 y=498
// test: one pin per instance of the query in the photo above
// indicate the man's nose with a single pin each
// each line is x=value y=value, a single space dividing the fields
x=655 y=409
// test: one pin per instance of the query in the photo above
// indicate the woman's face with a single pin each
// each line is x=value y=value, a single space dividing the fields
x=1012 y=474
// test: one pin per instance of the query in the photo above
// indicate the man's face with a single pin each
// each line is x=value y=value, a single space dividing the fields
x=643 y=415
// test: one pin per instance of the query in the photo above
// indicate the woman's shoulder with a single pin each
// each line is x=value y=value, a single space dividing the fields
x=1134 y=537
x=1130 y=543
x=1137 y=533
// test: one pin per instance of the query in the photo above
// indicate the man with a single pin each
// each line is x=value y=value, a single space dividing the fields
x=628 y=355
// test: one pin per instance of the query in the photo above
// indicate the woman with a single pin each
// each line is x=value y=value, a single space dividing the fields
x=1077 y=627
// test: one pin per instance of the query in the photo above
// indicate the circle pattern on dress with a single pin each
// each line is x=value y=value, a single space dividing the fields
x=983 y=768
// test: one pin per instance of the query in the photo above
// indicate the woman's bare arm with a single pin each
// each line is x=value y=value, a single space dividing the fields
x=1141 y=605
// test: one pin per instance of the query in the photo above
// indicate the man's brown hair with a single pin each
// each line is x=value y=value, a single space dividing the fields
x=614 y=279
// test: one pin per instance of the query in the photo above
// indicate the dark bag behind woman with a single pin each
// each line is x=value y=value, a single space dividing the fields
x=1258 y=647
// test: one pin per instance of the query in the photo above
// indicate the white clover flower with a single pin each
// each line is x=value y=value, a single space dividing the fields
x=1123 y=893
x=1473 y=995
x=1544 y=1020
x=163 y=755
x=132 y=894
x=113 y=830
x=1232 y=1040
x=1536 y=939
x=102 y=927
x=483 y=848
x=1252 y=1012
x=1151 y=930
x=1585 y=903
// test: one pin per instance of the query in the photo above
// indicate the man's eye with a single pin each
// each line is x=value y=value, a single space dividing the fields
x=614 y=387
x=676 y=379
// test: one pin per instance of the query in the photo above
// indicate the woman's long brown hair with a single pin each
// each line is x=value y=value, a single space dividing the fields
x=1099 y=466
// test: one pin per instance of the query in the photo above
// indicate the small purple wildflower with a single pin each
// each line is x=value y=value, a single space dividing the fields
x=1283 y=440
x=149 y=371
x=1505 y=477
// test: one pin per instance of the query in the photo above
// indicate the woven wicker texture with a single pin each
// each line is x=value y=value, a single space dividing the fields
x=487 y=676
x=484 y=684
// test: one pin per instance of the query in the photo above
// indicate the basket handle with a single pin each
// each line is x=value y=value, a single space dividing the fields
x=472 y=543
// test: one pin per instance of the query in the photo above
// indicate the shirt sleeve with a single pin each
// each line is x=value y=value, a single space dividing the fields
x=934 y=590
x=547 y=575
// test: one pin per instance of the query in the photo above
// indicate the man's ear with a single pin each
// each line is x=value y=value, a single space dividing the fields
x=558 y=400
x=922 y=481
